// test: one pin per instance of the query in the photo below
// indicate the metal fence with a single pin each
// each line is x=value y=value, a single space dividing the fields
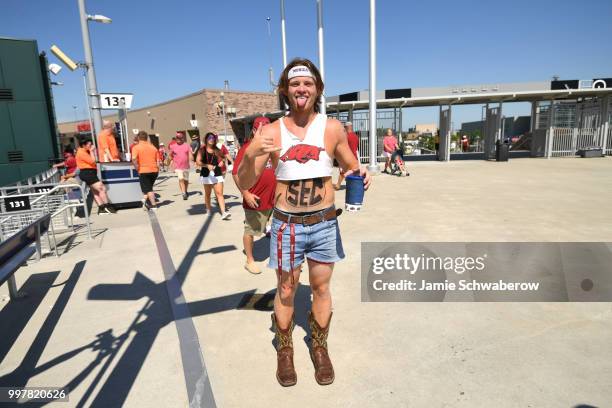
x=58 y=200
x=567 y=141
x=385 y=119
x=51 y=176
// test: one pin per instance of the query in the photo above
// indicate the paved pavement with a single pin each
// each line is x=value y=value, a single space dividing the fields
x=98 y=318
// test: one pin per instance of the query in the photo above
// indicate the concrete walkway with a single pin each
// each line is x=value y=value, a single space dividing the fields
x=98 y=318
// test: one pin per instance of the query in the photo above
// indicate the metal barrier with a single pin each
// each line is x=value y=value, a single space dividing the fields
x=563 y=142
x=58 y=200
x=51 y=176
x=609 y=142
x=567 y=141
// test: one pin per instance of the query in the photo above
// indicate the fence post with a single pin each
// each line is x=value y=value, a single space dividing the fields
x=605 y=124
x=550 y=134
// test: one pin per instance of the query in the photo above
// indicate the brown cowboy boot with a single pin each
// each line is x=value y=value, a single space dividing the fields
x=285 y=371
x=324 y=371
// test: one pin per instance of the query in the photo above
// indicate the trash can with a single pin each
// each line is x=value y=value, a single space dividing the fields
x=501 y=151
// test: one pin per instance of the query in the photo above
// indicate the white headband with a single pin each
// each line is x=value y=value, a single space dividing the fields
x=299 y=71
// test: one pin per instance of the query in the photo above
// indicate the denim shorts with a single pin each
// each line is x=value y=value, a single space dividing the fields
x=320 y=242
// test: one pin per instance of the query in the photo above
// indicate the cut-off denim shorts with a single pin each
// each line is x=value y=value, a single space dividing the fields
x=320 y=242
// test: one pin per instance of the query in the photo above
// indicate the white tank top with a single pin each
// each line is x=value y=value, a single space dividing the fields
x=304 y=159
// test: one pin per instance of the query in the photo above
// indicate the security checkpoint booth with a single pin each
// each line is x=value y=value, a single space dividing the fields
x=567 y=118
x=120 y=178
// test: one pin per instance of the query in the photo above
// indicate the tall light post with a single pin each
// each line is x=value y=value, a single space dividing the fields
x=270 y=71
x=74 y=108
x=373 y=167
x=283 y=38
x=322 y=107
x=225 y=89
x=92 y=87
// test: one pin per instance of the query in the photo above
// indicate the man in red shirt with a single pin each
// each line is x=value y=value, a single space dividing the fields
x=353 y=142
x=465 y=143
x=258 y=201
x=69 y=163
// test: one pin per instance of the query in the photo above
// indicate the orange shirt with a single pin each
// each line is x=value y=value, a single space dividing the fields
x=145 y=154
x=84 y=159
x=106 y=140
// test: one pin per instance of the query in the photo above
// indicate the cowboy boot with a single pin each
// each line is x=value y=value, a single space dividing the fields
x=285 y=371
x=324 y=371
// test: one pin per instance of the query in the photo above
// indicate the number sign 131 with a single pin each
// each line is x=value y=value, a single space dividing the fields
x=17 y=203
x=116 y=101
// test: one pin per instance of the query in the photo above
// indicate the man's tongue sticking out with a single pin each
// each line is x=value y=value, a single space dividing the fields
x=301 y=101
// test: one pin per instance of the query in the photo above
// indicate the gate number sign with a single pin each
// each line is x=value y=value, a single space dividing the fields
x=18 y=203
x=116 y=101
x=42 y=189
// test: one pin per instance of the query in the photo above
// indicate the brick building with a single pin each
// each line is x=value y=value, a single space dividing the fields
x=164 y=119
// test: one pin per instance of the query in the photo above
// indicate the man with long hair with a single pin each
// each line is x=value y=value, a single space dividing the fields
x=302 y=147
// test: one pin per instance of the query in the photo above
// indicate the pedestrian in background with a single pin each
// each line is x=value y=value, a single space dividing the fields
x=107 y=145
x=257 y=201
x=390 y=145
x=465 y=143
x=195 y=148
x=162 y=155
x=146 y=161
x=134 y=143
x=69 y=164
x=179 y=155
x=88 y=172
x=209 y=159
x=353 y=142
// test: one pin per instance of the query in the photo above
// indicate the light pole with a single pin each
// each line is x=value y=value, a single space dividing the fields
x=270 y=71
x=74 y=107
x=92 y=87
x=322 y=107
x=225 y=88
x=373 y=167
x=283 y=39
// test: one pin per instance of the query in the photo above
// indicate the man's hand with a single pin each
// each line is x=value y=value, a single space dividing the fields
x=363 y=172
x=251 y=199
x=261 y=144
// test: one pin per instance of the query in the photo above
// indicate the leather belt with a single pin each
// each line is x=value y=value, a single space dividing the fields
x=310 y=219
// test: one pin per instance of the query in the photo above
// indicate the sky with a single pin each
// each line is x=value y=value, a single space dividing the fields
x=159 y=50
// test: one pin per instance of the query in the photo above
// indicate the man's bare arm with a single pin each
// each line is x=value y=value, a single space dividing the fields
x=255 y=157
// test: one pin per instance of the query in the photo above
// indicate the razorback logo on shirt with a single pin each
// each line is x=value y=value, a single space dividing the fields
x=301 y=153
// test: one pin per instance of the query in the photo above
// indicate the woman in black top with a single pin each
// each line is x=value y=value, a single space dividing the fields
x=209 y=159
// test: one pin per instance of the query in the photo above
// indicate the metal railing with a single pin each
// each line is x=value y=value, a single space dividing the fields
x=58 y=200
x=51 y=176
x=567 y=141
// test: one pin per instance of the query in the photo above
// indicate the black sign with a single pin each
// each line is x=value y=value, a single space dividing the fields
x=398 y=93
x=602 y=83
x=42 y=189
x=349 y=97
x=560 y=85
x=17 y=203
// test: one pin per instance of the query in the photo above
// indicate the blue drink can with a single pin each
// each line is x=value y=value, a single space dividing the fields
x=354 y=193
